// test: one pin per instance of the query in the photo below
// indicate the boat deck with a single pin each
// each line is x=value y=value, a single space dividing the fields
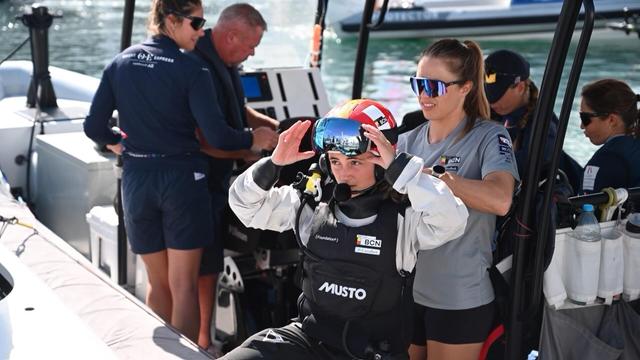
x=119 y=320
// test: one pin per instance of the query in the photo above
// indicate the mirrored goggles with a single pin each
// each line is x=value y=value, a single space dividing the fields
x=585 y=117
x=197 y=22
x=431 y=87
x=339 y=134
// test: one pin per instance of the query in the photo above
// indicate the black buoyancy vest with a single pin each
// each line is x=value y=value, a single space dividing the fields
x=232 y=92
x=352 y=280
x=230 y=98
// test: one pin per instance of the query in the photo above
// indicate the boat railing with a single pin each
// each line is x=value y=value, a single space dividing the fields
x=363 y=41
x=600 y=198
x=125 y=42
x=574 y=77
x=525 y=299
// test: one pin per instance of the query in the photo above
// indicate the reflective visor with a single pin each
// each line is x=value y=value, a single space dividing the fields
x=338 y=134
x=431 y=87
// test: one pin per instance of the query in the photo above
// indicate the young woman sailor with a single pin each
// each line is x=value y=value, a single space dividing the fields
x=359 y=243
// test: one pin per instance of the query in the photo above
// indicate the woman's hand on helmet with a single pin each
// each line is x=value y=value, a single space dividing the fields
x=288 y=149
x=385 y=150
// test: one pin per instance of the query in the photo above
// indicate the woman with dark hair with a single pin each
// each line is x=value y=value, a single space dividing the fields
x=609 y=117
x=162 y=95
x=454 y=297
x=359 y=238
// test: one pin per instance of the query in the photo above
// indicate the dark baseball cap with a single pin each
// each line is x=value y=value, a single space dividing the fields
x=503 y=68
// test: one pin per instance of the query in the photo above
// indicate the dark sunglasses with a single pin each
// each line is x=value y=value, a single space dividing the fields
x=585 y=117
x=339 y=134
x=431 y=87
x=197 y=22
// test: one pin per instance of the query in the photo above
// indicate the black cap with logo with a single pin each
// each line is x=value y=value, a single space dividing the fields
x=503 y=68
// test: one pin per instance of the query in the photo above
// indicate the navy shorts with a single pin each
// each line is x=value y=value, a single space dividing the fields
x=212 y=256
x=166 y=208
x=466 y=326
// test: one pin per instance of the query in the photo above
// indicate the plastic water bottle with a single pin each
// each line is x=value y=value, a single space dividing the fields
x=583 y=267
x=633 y=225
x=588 y=228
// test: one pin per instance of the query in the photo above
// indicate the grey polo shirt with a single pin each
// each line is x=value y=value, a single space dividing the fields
x=454 y=276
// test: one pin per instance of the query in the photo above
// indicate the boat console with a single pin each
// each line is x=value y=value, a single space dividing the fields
x=283 y=93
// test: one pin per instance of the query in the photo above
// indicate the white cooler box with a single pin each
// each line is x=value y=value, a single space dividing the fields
x=103 y=225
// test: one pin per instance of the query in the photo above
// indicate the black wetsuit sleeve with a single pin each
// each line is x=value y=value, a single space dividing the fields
x=396 y=167
x=266 y=173
x=97 y=122
x=210 y=119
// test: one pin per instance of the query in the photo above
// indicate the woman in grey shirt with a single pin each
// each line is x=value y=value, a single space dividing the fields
x=474 y=157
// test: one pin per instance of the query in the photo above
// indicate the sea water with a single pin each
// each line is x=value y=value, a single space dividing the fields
x=88 y=37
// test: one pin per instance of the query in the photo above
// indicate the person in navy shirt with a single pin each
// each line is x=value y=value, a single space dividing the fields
x=162 y=96
x=222 y=49
x=513 y=96
x=609 y=117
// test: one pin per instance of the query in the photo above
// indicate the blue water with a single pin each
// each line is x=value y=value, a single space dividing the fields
x=88 y=36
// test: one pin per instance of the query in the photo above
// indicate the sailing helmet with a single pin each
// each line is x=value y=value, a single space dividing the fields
x=341 y=129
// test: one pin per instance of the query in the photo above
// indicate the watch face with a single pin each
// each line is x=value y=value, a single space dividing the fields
x=438 y=169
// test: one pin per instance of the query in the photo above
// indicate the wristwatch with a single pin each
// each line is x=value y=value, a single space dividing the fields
x=438 y=171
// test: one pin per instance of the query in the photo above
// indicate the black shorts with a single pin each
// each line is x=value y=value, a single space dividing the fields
x=466 y=326
x=166 y=209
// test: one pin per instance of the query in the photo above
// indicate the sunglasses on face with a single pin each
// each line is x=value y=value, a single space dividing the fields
x=585 y=117
x=197 y=22
x=431 y=87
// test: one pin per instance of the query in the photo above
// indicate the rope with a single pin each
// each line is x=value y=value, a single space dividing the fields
x=15 y=221
x=15 y=50
x=20 y=249
x=528 y=231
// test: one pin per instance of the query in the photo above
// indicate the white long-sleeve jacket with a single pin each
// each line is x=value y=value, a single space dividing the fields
x=435 y=216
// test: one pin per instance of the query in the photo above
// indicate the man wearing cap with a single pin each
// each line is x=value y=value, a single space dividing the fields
x=513 y=97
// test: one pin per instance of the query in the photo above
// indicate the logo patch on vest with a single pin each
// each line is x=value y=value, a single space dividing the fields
x=326 y=238
x=370 y=241
x=343 y=291
x=366 y=244
x=368 y=251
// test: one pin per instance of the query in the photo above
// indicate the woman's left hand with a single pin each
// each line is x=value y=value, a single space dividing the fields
x=386 y=151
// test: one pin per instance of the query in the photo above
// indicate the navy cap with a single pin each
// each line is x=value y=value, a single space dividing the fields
x=503 y=68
